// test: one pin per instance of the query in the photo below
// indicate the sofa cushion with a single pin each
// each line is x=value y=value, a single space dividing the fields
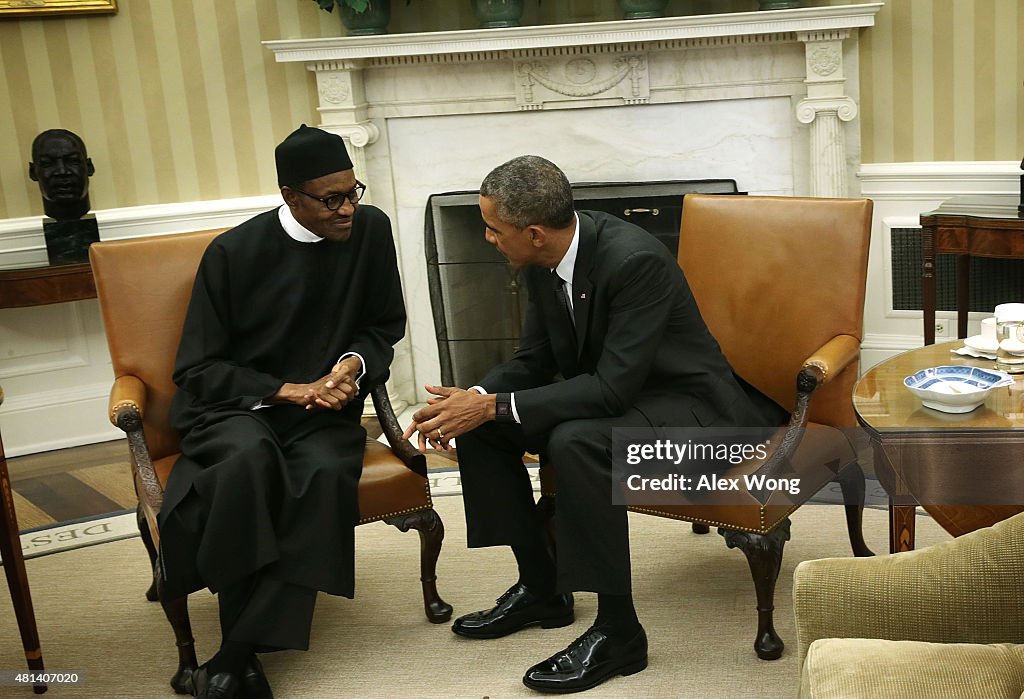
x=871 y=668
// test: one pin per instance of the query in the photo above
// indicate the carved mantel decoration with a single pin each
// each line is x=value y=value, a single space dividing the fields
x=543 y=82
x=590 y=65
x=767 y=98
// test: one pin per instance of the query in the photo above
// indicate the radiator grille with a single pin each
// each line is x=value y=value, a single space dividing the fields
x=993 y=281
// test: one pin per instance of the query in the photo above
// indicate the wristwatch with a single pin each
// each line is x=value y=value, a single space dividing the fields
x=503 y=408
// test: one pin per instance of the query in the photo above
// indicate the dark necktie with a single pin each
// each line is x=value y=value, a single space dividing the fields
x=563 y=300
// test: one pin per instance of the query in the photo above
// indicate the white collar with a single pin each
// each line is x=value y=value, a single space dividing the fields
x=568 y=264
x=293 y=228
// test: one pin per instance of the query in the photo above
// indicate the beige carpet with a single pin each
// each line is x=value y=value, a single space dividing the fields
x=694 y=596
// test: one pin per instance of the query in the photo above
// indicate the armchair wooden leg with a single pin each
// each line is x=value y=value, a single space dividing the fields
x=147 y=540
x=176 y=610
x=764 y=555
x=851 y=482
x=699 y=528
x=431 y=529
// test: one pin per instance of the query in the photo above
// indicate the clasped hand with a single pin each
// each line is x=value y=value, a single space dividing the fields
x=450 y=413
x=333 y=391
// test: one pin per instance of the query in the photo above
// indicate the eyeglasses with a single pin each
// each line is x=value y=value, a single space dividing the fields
x=336 y=201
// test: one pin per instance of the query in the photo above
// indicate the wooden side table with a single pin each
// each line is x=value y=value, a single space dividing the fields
x=983 y=226
x=39 y=286
x=963 y=469
x=21 y=288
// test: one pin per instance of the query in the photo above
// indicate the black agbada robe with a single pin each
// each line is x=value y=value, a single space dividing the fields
x=274 y=490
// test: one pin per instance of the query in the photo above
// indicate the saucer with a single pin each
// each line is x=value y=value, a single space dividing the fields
x=979 y=343
x=1012 y=347
x=968 y=352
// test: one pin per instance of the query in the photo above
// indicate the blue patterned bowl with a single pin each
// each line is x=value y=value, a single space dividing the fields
x=955 y=389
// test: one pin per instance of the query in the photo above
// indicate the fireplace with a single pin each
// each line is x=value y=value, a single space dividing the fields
x=766 y=98
x=476 y=297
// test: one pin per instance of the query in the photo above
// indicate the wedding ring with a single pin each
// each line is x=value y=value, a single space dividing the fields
x=440 y=434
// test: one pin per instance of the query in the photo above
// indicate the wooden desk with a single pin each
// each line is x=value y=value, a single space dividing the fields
x=965 y=470
x=38 y=286
x=987 y=226
x=20 y=288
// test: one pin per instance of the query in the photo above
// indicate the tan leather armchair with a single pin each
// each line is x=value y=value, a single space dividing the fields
x=144 y=286
x=780 y=283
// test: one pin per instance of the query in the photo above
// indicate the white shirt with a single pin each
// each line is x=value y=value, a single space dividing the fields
x=567 y=266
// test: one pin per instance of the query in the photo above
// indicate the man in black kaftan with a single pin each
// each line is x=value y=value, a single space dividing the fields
x=292 y=320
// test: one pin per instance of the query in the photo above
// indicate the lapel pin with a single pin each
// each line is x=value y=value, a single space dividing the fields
x=583 y=296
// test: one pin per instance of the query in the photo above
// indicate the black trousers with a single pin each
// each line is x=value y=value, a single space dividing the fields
x=591 y=534
x=267 y=613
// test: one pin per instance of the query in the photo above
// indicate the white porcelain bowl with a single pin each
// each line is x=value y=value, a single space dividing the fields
x=955 y=389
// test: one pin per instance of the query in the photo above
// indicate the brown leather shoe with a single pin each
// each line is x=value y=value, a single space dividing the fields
x=515 y=610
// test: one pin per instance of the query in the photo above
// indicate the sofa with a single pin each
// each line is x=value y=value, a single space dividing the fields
x=945 y=621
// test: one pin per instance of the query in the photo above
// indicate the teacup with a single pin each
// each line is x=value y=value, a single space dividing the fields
x=988 y=330
x=1010 y=334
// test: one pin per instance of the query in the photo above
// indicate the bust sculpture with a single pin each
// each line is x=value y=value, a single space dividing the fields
x=62 y=168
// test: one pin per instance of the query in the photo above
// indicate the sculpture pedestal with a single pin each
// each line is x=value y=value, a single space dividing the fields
x=67 y=242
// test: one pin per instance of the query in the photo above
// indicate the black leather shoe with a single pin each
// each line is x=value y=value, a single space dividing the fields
x=588 y=661
x=220 y=686
x=515 y=610
x=254 y=682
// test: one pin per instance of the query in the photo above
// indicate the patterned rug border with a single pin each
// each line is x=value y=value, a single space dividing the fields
x=445 y=481
x=76 y=534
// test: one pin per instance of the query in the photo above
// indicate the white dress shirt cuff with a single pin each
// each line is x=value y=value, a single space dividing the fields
x=362 y=365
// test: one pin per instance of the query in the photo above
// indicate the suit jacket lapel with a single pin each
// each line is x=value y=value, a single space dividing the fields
x=582 y=286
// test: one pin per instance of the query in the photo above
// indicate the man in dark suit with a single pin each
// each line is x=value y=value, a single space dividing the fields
x=611 y=313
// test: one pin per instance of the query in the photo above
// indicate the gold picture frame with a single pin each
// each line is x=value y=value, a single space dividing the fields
x=14 y=9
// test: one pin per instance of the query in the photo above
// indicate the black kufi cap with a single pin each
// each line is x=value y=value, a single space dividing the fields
x=309 y=153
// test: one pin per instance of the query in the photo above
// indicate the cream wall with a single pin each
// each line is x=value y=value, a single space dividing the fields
x=177 y=100
x=943 y=80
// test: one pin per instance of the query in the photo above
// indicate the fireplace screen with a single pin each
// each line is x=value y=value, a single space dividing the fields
x=477 y=300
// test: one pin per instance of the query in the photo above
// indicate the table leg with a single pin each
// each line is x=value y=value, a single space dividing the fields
x=17 y=578
x=963 y=293
x=902 y=505
x=902 y=518
x=928 y=283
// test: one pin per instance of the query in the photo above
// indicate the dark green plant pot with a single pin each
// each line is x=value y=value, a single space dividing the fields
x=373 y=20
x=498 y=13
x=778 y=4
x=643 y=9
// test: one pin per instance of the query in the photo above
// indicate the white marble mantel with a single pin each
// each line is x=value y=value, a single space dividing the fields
x=694 y=27
x=766 y=98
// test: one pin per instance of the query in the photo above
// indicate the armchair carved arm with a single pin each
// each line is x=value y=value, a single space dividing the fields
x=405 y=451
x=826 y=362
x=127 y=407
